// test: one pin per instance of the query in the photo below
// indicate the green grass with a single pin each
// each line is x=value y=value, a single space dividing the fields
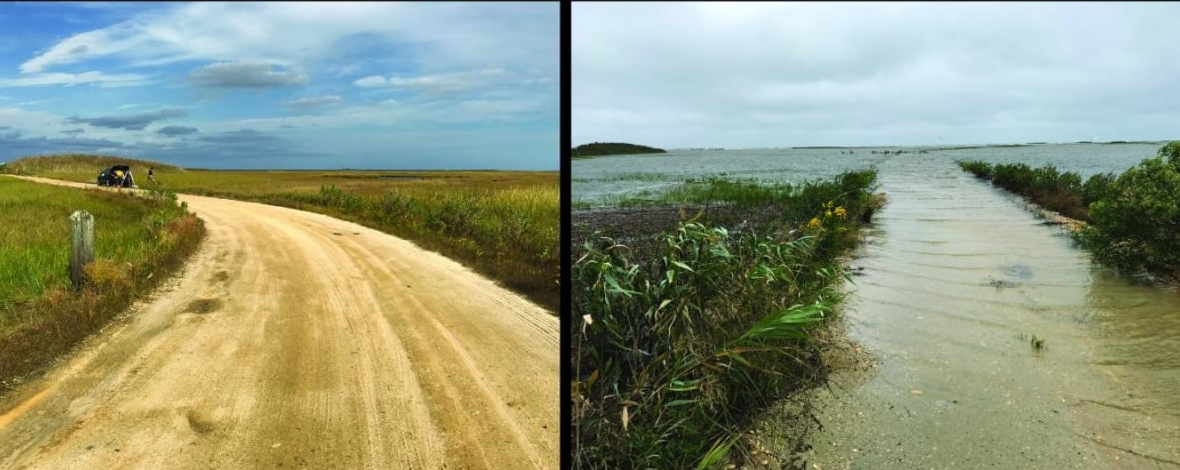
x=502 y=224
x=78 y=164
x=138 y=241
x=678 y=342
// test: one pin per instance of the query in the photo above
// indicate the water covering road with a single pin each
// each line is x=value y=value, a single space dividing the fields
x=958 y=278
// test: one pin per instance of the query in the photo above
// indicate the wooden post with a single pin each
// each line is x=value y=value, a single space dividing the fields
x=81 y=246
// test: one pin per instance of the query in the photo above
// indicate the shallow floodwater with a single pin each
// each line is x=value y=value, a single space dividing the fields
x=593 y=179
x=958 y=277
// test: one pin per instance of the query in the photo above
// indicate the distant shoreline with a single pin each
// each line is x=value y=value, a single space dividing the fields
x=615 y=149
x=923 y=146
x=602 y=149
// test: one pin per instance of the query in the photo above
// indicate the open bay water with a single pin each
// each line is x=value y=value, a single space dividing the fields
x=593 y=179
x=957 y=278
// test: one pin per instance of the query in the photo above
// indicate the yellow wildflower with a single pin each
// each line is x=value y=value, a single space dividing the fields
x=828 y=213
x=840 y=212
x=814 y=223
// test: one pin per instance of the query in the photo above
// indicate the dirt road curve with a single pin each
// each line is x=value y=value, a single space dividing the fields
x=295 y=340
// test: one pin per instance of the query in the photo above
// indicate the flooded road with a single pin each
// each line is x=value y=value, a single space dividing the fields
x=958 y=279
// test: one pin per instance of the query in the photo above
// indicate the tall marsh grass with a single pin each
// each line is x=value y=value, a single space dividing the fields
x=508 y=234
x=677 y=344
x=502 y=224
x=138 y=242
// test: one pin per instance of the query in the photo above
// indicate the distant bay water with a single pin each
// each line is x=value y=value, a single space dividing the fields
x=594 y=179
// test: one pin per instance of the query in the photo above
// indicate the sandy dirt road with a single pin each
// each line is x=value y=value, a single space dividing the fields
x=295 y=340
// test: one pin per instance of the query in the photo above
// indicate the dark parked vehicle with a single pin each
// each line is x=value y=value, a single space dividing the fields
x=118 y=175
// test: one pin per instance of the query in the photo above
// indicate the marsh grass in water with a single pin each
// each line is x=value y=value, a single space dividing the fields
x=1063 y=192
x=138 y=242
x=678 y=340
x=502 y=224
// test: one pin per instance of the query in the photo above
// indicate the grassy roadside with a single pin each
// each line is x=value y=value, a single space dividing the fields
x=138 y=243
x=682 y=334
x=502 y=224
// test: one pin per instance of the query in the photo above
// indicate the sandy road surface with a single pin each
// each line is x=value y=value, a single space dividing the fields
x=295 y=340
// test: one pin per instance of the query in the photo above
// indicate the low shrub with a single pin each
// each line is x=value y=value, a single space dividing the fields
x=1136 y=222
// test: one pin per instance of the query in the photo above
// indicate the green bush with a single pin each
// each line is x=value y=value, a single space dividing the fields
x=1062 y=192
x=1098 y=187
x=979 y=168
x=1136 y=222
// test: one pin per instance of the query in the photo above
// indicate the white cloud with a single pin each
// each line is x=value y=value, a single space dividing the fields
x=445 y=35
x=442 y=82
x=74 y=49
x=32 y=123
x=342 y=70
x=374 y=81
x=71 y=79
x=314 y=101
x=36 y=102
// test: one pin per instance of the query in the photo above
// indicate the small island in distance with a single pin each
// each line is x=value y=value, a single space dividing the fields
x=599 y=149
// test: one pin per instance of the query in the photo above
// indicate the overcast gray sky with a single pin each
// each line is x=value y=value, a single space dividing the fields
x=793 y=74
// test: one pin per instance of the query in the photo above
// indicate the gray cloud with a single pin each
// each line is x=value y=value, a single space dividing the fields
x=244 y=75
x=246 y=140
x=74 y=131
x=16 y=145
x=174 y=131
x=238 y=149
x=132 y=122
x=783 y=74
x=313 y=102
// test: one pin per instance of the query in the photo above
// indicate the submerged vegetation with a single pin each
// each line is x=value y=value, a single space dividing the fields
x=503 y=225
x=680 y=336
x=611 y=148
x=138 y=242
x=1134 y=217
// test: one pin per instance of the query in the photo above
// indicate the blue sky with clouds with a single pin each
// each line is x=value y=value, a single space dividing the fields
x=284 y=85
